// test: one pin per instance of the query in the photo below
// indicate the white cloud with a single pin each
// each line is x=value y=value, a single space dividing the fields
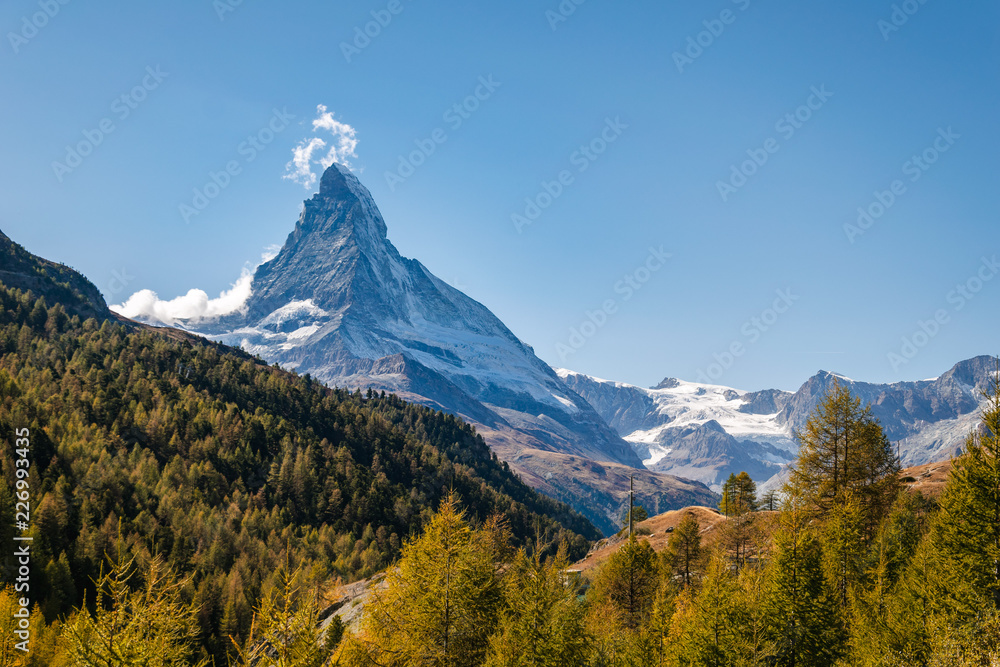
x=195 y=306
x=309 y=151
x=270 y=252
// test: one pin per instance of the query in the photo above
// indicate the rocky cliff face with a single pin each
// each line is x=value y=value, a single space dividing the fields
x=698 y=431
x=705 y=432
x=340 y=303
x=929 y=419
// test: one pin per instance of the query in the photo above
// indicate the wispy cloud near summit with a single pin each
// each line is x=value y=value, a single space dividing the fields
x=195 y=306
x=310 y=151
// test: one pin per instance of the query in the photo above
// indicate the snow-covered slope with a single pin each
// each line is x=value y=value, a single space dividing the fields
x=704 y=432
x=929 y=419
x=340 y=303
x=700 y=431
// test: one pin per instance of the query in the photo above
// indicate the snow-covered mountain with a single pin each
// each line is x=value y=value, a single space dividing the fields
x=340 y=303
x=700 y=431
x=929 y=419
x=705 y=432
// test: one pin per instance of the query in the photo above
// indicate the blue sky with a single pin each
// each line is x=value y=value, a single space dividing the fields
x=776 y=242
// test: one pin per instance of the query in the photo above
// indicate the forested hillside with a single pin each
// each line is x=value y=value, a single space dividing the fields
x=853 y=571
x=59 y=283
x=227 y=469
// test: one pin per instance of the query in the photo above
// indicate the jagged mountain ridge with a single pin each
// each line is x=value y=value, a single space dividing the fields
x=928 y=418
x=340 y=303
x=701 y=432
x=706 y=432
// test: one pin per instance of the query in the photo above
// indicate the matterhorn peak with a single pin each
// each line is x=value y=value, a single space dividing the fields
x=343 y=200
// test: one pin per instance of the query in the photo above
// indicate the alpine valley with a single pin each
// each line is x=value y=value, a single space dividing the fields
x=339 y=302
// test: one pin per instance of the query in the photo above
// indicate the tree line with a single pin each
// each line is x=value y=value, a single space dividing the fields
x=219 y=470
x=198 y=558
x=853 y=569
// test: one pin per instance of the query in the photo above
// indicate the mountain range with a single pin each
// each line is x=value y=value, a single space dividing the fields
x=705 y=432
x=339 y=303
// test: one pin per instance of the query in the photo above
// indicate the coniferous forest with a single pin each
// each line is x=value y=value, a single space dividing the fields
x=223 y=472
x=192 y=505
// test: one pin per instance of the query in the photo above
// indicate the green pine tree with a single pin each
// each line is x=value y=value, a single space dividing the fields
x=806 y=627
x=709 y=635
x=285 y=630
x=682 y=556
x=442 y=602
x=844 y=450
x=629 y=580
x=968 y=528
x=542 y=623
x=147 y=625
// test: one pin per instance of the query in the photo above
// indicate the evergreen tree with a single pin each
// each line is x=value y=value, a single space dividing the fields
x=442 y=602
x=542 y=623
x=664 y=607
x=968 y=528
x=844 y=450
x=285 y=630
x=805 y=625
x=727 y=504
x=628 y=581
x=682 y=556
x=771 y=501
x=739 y=495
x=145 y=626
x=844 y=550
x=708 y=631
x=639 y=514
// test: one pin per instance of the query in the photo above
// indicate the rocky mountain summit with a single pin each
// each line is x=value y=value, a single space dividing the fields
x=340 y=303
x=705 y=432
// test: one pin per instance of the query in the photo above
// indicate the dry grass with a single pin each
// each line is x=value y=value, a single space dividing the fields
x=929 y=479
x=709 y=520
